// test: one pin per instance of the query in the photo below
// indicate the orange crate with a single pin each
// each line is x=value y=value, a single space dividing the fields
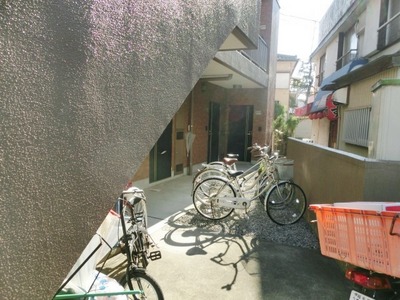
x=366 y=238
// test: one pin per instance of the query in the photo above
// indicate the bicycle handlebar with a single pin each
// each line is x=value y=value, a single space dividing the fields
x=132 y=190
x=263 y=150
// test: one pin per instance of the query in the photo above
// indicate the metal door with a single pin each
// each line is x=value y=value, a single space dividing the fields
x=240 y=130
x=160 y=156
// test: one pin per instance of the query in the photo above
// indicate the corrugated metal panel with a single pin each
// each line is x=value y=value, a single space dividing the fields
x=360 y=92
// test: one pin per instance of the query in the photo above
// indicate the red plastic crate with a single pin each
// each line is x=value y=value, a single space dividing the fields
x=366 y=238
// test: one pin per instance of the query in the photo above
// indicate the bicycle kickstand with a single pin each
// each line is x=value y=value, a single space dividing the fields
x=246 y=214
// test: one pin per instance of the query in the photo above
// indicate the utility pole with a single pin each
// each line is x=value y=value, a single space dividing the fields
x=309 y=80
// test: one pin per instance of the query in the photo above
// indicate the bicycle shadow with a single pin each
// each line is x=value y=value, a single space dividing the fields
x=246 y=257
x=223 y=242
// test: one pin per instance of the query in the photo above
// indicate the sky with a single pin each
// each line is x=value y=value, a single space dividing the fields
x=298 y=26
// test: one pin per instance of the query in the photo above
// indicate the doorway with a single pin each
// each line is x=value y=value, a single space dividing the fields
x=213 y=132
x=333 y=126
x=240 y=130
x=160 y=156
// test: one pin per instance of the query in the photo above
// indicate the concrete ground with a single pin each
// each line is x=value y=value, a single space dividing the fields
x=203 y=263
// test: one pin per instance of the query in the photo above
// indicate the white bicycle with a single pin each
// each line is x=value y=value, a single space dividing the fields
x=217 y=191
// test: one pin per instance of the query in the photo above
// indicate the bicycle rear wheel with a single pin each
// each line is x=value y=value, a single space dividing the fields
x=285 y=203
x=206 y=197
x=142 y=281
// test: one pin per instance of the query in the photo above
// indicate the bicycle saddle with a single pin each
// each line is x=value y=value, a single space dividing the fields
x=230 y=161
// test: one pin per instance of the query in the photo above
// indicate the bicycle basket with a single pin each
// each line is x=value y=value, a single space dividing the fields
x=284 y=167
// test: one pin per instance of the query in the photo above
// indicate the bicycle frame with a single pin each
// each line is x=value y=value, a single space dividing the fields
x=97 y=248
x=268 y=175
x=121 y=203
x=139 y=241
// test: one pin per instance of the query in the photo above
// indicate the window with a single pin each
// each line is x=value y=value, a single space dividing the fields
x=350 y=45
x=321 y=69
x=389 y=23
x=347 y=49
x=356 y=126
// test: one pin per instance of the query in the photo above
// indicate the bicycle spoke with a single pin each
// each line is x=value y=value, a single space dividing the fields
x=206 y=198
x=286 y=203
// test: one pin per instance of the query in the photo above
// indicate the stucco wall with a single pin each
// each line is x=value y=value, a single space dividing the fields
x=303 y=129
x=328 y=175
x=87 y=87
x=320 y=131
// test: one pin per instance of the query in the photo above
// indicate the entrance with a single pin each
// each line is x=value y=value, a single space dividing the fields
x=240 y=130
x=160 y=156
x=213 y=132
x=333 y=134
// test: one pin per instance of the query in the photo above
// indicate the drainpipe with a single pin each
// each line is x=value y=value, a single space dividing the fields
x=190 y=130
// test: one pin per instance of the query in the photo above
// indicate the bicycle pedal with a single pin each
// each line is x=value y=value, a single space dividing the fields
x=155 y=255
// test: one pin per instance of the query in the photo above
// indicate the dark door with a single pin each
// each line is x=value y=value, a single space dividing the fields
x=213 y=132
x=333 y=134
x=160 y=156
x=240 y=130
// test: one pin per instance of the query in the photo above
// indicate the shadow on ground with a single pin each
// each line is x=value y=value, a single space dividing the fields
x=244 y=258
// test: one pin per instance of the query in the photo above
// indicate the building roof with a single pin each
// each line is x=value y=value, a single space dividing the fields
x=285 y=57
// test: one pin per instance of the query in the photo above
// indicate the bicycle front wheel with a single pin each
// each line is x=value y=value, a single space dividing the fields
x=207 y=196
x=142 y=281
x=263 y=183
x=285 y=203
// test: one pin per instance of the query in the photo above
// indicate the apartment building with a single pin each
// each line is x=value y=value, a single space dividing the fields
x=286 y=65
x=358 y=79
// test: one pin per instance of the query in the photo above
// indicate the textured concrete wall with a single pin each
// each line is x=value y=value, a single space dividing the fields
x=86 y=88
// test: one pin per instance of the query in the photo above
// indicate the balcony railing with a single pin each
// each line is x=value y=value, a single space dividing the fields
x=389 y=32
x=349 y=56
x=259 y=56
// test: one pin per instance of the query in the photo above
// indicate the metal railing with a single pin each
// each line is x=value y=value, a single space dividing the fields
x=389 y=32
x=320 y=77
x=346 y=58
x=259 y=56
x=349 y=56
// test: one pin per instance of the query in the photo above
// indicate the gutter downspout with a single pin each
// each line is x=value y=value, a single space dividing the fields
x=190 y=128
